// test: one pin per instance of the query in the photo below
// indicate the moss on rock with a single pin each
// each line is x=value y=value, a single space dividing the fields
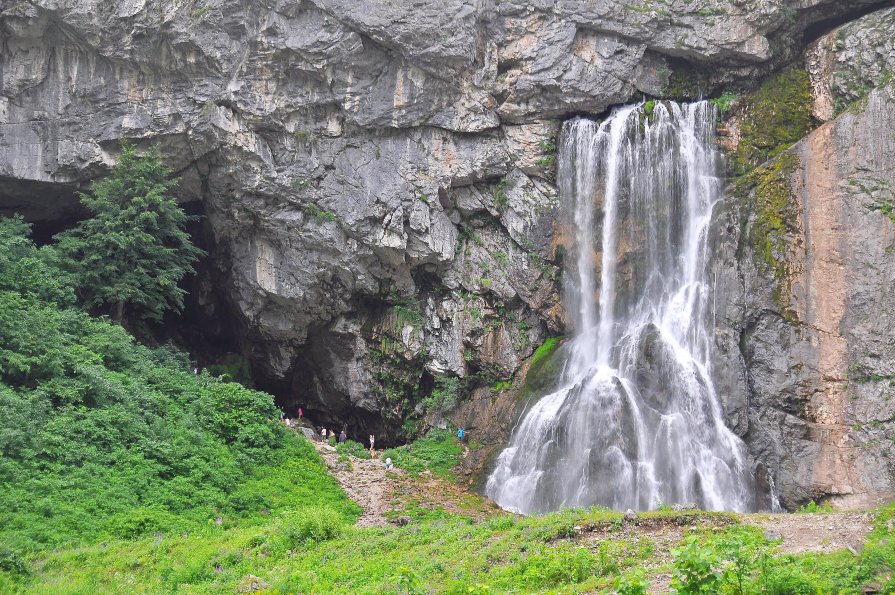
x=770 y=194
x=546 y=366
x=774 y=117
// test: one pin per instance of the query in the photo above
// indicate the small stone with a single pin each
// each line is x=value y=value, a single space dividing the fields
x=251 y=583
x=402 y=521
x=773 y=535
x=630 y=515
x=855 y=549
x=218 y=521
x=890 y=525
x=684 y=506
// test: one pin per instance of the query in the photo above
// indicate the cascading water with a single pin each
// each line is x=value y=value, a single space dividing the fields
x=636 y=421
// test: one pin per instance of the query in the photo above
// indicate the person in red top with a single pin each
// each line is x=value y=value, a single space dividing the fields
x=300 y=412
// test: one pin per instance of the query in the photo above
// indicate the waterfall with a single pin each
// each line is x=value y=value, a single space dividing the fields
x=636 y=420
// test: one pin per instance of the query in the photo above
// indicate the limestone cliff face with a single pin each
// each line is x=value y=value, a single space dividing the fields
x=805 y=316
x=377 y=177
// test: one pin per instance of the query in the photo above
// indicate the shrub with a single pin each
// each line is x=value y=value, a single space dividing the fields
x=695 y=569
x=12 y=562
x=813 y=506
x=310 y=525
x=632 y=583
x=445 y=396
x=237 y=414
x=354 y=449
x=141 y=521
x=437 y=451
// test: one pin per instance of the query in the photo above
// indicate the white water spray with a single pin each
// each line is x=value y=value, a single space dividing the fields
x=636 y=421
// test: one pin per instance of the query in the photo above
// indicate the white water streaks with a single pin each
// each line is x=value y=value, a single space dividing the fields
x=636 y=421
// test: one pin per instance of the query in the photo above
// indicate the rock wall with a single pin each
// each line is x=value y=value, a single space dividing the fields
x=376 y=177
x=805 y=306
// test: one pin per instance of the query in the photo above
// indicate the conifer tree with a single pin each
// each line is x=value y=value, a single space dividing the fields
x=129 y=257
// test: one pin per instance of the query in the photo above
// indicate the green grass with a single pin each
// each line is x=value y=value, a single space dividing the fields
x=454 y=554
x=354 y=449
x=437 y=452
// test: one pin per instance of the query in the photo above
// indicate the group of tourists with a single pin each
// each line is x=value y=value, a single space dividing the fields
x=342 y=437
x=327 y=434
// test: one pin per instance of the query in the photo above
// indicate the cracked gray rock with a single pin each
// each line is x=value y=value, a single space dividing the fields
x=806 y=361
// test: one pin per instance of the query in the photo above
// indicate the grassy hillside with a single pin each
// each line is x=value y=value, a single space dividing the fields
x=102 y=438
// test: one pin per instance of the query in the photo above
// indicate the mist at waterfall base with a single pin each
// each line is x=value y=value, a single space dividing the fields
x=636 y=421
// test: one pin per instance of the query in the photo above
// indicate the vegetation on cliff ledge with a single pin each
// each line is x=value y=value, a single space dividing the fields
x=770 y=193
x=773 y=118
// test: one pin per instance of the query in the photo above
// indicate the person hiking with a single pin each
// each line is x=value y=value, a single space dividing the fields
x=342 y=437
x=372 y=441
x=388 y=463
x=300 y=413
x=460 y=434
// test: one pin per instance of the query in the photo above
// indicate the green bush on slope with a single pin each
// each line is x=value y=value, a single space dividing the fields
x=102 y=437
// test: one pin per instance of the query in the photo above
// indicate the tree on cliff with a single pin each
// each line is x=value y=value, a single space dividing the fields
x=131 y=254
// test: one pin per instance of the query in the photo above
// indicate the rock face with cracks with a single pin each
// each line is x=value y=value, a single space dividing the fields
x=377 y=183
x=805 y=349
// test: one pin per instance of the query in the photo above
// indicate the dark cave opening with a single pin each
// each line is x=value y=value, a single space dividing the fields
x=49 y=207
x=823 y=25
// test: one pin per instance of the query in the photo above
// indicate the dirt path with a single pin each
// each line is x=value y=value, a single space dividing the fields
x=365 y=481
x=823 y=532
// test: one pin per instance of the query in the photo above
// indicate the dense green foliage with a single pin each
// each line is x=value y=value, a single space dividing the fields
x=101 y=437
x=134 y=250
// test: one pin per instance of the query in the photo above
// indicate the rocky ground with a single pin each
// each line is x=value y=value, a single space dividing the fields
x=365 y=481
x=386 y=496
x=819 y=532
